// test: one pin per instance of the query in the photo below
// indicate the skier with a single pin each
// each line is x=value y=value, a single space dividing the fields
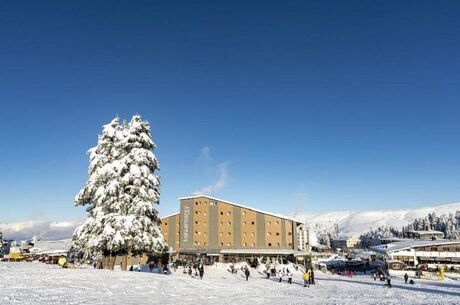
x=190 y=270
x=281 y=274
x=406 y=277
x=306 y=279
x=246 y=272
x=289 y=274
x=374 y=275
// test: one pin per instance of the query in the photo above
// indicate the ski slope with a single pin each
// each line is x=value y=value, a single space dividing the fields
x=362 y=221
x=39 y=284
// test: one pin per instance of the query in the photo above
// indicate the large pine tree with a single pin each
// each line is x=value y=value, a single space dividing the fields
x=121 y=193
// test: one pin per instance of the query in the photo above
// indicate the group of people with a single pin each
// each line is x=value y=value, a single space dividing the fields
x=387 y=278
x=198 y=270
x=244 y=269
x=308 y=278
x=308 y=275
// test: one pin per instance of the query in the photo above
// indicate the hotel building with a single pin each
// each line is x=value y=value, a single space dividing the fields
x=207 y=226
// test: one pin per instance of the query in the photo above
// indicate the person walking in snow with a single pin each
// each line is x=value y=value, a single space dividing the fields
x=289 y=274
x=246 y=272
x=281 y=274
x=306 y=279
x=190 y=270
x=406 y=278
x=389 y=281
x=312 y=277
x=201 y=271
x=374 y=275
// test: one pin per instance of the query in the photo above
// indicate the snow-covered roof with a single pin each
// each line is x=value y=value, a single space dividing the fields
x=242 y=206
x=170 y=215
x=51 y=246
x=412 y=243
x=429 y=232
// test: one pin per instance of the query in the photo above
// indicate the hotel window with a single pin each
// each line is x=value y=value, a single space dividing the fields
x=289 y=233
x=290 y=244
x=229 y=223
x=253 y=245
x=221 y=244
x=269 y=234
x=221 y=223
x=269 y=244
x=229 y=213
x=229 y=244
x=277 y=234
x=244 y=234
x=244 y=223
x=221 y=234
x=252 y=222
x=244 y=213
x=244 y=244
x=204 y=244
x=205 y=213
x=229 y=233
x=205 y=234
x=277 y=222
x=196 y=203
x=166 y=223
x=252 y=234
x=221 y=213
x=197 y=222
x=269 y=222
x=196 y=232
x=277 y=244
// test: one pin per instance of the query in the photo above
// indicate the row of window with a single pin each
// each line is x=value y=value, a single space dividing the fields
x=228 y=244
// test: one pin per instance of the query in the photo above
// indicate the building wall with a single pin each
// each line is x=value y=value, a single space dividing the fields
x=225 y=222
x=272 y=232
x=207 y=224
x=201 y=223
x=170 y=229
x=248 y=229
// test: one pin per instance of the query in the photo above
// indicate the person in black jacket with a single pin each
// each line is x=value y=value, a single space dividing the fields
x=406 y=277
x=246 y=272
x=201 y=271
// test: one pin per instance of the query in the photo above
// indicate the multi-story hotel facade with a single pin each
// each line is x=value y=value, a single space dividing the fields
x=207 y=226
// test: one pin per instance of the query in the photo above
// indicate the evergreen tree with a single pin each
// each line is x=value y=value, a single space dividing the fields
x=121 y=193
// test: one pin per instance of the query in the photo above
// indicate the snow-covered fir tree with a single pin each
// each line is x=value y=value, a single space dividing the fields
x=121 y=193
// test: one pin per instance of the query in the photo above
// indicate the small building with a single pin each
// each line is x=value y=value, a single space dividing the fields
x=346 y=242
x=415 y=252
x=394 y=264
x=424 y=235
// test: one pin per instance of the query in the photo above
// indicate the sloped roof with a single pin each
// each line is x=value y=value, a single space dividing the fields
x=412 y=243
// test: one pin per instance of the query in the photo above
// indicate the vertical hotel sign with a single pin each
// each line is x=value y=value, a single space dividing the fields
x=186 y=223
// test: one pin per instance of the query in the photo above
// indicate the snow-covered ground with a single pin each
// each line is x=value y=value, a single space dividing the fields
x=39 y=284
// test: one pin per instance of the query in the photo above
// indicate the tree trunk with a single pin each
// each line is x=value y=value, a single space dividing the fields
x=112 y=260
x=106 y=262
x=124 y=262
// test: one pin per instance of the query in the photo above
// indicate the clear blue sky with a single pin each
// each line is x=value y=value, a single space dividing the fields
x=308 y=105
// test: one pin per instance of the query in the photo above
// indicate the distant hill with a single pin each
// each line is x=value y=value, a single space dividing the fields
x=362 y=221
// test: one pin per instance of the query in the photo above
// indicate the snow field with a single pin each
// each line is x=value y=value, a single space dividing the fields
x=39 y=284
